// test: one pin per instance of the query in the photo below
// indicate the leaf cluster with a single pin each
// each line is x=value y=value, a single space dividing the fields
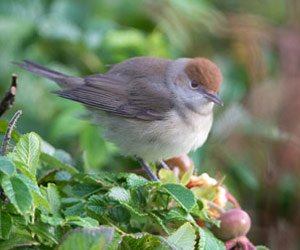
x=46 y=202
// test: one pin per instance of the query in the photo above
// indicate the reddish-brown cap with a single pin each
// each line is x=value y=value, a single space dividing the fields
x=204 y=72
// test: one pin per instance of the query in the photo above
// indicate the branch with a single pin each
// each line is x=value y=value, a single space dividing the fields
x=9 y=97
x=9 y=130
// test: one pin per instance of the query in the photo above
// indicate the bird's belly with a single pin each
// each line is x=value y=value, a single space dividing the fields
x=156 y=140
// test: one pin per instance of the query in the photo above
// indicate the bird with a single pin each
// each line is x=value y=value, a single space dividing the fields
x=152 y=108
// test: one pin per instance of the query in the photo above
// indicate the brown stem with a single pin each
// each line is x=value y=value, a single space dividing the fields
x=9 y=97
x=8 y=132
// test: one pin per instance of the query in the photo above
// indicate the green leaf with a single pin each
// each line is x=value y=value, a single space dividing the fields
x=87 y=238
x=5 y=225
x=177 y=214
x=208 y=241
x=28 y=150
x=124 y=198
x=184 y=237
x=146 y=242
x=7 y=167
x=187 y=175
x=167 y=176
x=17 y=240
x=62 y=176
x=44 y=232
x=55 y=163
x=24 y=169
x=82 y=222
x=52 y=195
x=120 y=194
x=38 y=198
x=86 y=189
x=76 y=210
x=208 y=193
x=17 y=192
x=52 y=220
x=134 y=181
x=159 y=221
x=119 y=214
x=97 y=205
x=182 y=195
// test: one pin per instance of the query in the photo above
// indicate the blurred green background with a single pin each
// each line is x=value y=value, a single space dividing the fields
x=255 y=139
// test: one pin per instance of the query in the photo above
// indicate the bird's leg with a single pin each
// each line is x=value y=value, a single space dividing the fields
x=147 y=168
x=163 y=164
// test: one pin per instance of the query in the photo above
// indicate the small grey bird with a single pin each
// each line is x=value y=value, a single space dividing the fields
x=151 y=108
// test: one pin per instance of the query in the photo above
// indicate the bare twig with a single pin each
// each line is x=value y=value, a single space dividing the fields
x=9 y=130
x=9 y=97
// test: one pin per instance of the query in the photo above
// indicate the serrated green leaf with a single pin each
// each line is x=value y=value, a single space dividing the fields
x=76 y=210
x=119 y=214
x=18 y=193
x=187 y=175
x=184 y=237
x=52 y=196
x=134 y=181
x=52 y=220
x=24 y=169
x=17 y=240
x=82 y=222
x=159 y=221
x=38 y=198
x=44 y=232
x=97 y=205
x=5 y=225
x=182 y=195
x=167 y=176
x=7 y=167
x=120 y=194
x=87 y=238
x=47 y=148
x=124 y=198
x=28 y=150
x=139 y=197
x=62 y=176
x=176 y=214
x=146 y=242
x=63 y=156
x=208 y=241
x=55 y=163
x=86 y=189
x=70 y=200
x=207 y=193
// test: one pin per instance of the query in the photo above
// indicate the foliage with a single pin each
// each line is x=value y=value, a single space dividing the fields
x=48 y=203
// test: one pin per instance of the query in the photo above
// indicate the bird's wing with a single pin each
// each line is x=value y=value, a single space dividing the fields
x=136 y=98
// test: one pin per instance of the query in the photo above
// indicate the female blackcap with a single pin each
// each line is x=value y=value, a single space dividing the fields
x=152 y=108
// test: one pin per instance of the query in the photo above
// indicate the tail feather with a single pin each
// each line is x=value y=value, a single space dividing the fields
x=40 y=70
x=63 y=80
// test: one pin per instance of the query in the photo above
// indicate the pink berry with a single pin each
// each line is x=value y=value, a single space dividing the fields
x=234 y=223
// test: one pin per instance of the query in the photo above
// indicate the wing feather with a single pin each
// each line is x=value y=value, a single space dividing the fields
x=138 y=98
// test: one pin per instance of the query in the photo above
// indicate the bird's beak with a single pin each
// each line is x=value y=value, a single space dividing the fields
x=214 y=98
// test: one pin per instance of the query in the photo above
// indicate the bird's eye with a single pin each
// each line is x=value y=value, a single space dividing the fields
x=194 y=84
